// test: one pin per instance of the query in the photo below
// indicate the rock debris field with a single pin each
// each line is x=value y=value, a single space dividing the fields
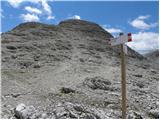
x=70 y=71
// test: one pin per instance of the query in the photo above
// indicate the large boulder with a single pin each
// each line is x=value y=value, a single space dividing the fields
x=25 y=112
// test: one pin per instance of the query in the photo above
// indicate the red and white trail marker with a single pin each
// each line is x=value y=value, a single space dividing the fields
x=129 y=37
x=120 y=40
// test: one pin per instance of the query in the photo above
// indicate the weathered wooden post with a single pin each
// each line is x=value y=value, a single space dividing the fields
x=121 y=40
x=123 y=79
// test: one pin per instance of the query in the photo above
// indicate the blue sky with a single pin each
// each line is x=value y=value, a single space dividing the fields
x=138 y=17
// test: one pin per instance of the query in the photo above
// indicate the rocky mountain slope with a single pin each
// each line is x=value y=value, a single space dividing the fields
x=70 y=71
x=153 y=56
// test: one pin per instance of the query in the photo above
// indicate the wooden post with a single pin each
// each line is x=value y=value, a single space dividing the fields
x=123 y=81
x=121 y=40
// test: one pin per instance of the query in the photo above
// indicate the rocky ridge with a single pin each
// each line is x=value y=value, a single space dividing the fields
x=153 y=56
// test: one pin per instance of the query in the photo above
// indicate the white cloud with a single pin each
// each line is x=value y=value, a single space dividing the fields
x=33 y=10
x=75 y=17
x=113 y=30
x=44 y=4
x=143 y=41
x=29 y=17
x=15 y=3
x=140 y=24
x=144 y=17
x=1 y=13
x=46 y=7
x=50 y=17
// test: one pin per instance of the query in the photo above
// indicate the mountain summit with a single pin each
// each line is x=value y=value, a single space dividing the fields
x=34 y=38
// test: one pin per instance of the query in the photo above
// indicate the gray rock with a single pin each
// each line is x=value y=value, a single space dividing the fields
x=25 y=63
x=13 y=56
x=137 y=75
x=18 y=110
x=70 y=110
x=153 y=71
x=44 y=116
x=97 y=83
x=81 y=60
x=134 y=115
x=140 y=84
x=60 y=112
x=154 y=114
x=67 y=90
x=11 y=47
x=37 y=65
x=25 y=112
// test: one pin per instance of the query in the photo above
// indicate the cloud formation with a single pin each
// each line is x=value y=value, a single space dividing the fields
x=140 y=23
x=15 y=3
x=75 y=17
x=1 y=13
x=46 y=9
x=111 y=29
x=33 y=10
x=29 y=17
x=144 y=41
x=50 y=17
